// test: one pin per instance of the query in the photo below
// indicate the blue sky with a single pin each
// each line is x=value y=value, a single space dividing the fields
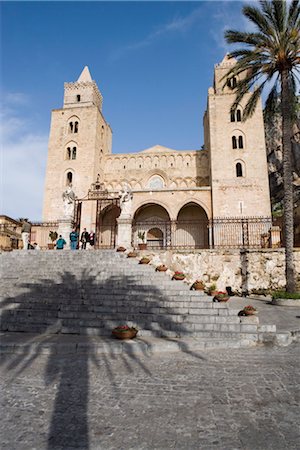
x=153 y=63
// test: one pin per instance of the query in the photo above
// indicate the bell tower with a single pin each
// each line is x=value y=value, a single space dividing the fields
x=79 y=138
x=238 y=161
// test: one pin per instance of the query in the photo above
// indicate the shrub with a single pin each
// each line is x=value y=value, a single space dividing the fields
x=286 y=295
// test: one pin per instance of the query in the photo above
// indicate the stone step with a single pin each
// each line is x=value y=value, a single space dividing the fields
x=89 y=293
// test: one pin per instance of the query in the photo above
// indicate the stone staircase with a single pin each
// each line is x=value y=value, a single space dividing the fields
x=91 y=292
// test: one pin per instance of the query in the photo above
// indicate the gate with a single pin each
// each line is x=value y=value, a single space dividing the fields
x=106 y=230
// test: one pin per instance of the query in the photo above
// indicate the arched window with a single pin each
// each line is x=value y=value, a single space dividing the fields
x=238 y=115
x=232 y=83
x=234 y=143
x=78 y=98
x=68 y=153
x=74 y=153
x=69 y=179
x=241 y=144
x=156 y=182
x=102 y=131
x=232 y=116
x=73 y=126
x=239 y=169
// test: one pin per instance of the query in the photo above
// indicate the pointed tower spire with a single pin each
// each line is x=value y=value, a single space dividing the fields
x=85 y=76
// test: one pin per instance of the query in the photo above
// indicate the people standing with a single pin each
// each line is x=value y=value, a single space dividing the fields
x=25 y=230
x=92 y=238
x=60 y=243
x=73 y=239
x=84 y=239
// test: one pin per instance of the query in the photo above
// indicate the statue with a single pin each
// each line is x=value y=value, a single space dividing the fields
x=125 y=202
x=69 y=202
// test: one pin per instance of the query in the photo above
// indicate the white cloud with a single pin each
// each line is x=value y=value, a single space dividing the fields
x=23 y=158
x=228 y=16
x=177 y=24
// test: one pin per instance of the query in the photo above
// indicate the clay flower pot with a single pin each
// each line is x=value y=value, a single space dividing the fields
x=221 y=297
x=198 y=285
x=144 y=260
x=124 y=332
x=131 y=255
x=178 y=276
x=161 y=268
x=249 y=311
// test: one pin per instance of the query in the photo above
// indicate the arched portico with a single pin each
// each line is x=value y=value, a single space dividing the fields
x=153 y=222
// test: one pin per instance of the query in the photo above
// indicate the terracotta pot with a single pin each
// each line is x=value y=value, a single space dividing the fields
x=142 y=246
x=178 y=277
x=161 y=269
x=221 y=298
x=197 y=287
x=249 y=312
x=131 y=255
x=144 y=261
x=128 y=334
x=51 y=246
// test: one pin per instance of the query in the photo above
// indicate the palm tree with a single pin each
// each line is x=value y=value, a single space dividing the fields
x=269 y=58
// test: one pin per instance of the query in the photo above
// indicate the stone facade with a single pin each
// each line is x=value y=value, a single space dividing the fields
x=228 y=178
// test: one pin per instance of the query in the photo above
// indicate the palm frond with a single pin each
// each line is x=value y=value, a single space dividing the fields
x=255 y=16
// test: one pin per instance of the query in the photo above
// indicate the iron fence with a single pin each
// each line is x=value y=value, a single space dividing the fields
x=241 y=232
x=172 y=234
x=236 y=232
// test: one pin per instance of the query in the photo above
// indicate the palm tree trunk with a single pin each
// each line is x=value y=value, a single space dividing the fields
x=287 y=182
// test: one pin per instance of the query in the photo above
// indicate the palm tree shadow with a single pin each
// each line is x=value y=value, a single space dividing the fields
x=51 y=309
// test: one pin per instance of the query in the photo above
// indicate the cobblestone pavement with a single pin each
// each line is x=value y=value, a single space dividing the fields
x=230 y=399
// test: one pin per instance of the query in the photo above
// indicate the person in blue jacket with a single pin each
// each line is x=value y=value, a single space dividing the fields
x=73 y=239
x=60 y=243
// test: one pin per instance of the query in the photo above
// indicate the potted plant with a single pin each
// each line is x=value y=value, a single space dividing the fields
x=53 y=236
x=161 y=268
x=142 y=240
x=131 y=255
x=124 y=332
x=121 y=249
x=221 y=296
x=249 y=310
x=144 y=260
x=211 y=290
x=178 y=276
x=198 y=285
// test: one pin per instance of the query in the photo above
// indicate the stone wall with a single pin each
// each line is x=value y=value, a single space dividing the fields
x=244 y=271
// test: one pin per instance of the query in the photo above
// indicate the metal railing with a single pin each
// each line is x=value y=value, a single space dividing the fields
x=225 y=232
x=240 y=232
x=172 y=234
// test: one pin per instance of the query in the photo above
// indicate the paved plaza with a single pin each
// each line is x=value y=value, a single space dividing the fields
x=221 y=399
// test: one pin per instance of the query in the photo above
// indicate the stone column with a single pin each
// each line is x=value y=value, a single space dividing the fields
x=65 y=226
x=124 y=232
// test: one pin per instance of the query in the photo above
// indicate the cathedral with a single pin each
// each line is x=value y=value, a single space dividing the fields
x=161 y=197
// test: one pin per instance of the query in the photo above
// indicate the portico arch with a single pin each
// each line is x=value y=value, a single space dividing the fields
x=153 y=220
x=192 y=226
